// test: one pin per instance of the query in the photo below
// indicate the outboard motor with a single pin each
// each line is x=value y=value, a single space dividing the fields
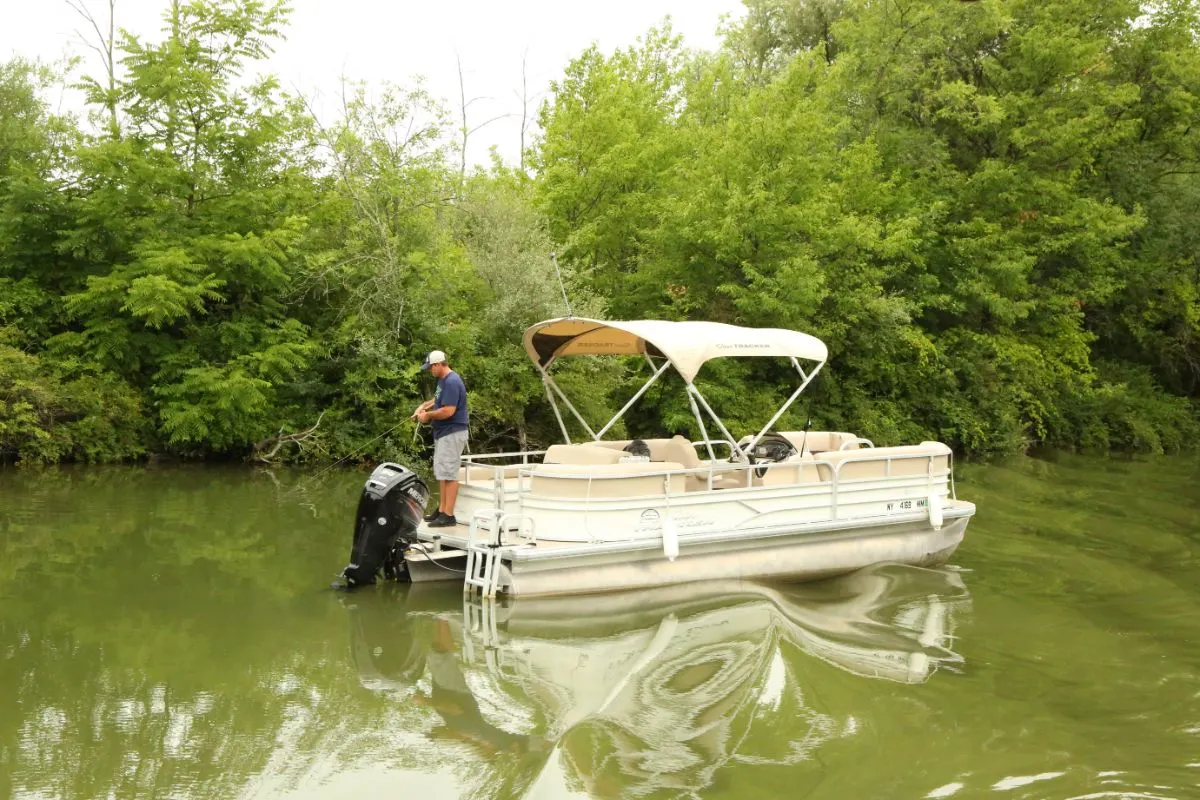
x=389 y=511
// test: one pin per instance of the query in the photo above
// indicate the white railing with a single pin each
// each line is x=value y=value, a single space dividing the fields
x=835 y=484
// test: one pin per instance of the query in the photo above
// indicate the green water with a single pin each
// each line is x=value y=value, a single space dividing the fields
x=166 y=633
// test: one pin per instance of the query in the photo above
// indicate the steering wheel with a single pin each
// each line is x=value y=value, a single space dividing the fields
x=772 y=448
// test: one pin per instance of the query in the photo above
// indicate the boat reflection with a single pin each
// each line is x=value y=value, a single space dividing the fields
x=636 y=693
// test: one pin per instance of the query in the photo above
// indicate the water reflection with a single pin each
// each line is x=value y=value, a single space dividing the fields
x=167 y=633
x=637 y=693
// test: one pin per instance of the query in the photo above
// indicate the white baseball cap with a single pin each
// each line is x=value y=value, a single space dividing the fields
x=434 y=357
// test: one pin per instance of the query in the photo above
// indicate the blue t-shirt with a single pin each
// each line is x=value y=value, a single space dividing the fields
x=451 y=391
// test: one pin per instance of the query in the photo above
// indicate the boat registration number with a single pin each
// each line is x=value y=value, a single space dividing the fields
x=906 y=505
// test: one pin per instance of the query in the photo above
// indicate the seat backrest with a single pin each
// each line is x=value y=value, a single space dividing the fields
x=601 y=481
x=798 y=469
x=817 y=441
x=587 y=453
x=676 y=449
x=680 y=450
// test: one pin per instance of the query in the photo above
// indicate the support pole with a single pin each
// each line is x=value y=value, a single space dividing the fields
x=692 y=390
x=633 y=399
x=806 y=379
x=550 y=382
x=557 y=415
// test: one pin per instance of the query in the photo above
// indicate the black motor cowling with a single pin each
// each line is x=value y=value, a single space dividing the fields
x=389 y=511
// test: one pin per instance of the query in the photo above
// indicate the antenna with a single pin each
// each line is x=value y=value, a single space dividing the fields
x=807 y=424
x=561 y=285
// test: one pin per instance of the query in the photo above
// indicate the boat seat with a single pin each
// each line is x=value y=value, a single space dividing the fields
x=796 y=470
x=660 y=449
x=681 y=450
x=872 y=462
x=678 y=450
x=817 y=441
x=606 y=480
x=586 y=453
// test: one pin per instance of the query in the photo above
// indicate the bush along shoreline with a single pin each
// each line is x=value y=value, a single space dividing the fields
x=986 y=210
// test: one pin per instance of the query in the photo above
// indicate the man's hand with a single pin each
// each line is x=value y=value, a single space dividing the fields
x=422 y=416
x=421 y=409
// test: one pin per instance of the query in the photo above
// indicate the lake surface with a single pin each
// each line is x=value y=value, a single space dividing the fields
x=168 y=633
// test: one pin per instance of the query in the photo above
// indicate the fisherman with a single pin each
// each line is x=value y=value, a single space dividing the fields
x=447 y=411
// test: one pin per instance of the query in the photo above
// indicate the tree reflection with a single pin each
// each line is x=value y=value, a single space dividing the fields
x=151 y=630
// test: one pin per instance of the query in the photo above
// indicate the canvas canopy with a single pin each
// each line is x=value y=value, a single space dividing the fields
x=688 y=345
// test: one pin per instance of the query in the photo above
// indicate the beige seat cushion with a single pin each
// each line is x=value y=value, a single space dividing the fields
x=680 y=450
x=600 y=480
x=794 y=471
x=587 y=453
x=660 y=449
x=817 y=441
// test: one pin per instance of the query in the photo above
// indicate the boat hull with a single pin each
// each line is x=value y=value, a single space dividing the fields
x=796 y=553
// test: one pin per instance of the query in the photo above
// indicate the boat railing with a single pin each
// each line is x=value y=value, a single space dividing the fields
x=716 y=475
x=511 y=476
x=495 y=465
x=477 y=459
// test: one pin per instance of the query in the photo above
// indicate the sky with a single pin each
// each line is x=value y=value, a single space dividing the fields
x=382 y=40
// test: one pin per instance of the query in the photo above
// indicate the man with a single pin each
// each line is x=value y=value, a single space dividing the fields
x=447 y=411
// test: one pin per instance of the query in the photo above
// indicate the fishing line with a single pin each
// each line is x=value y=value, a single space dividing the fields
x=360 y=448
x=303 y=484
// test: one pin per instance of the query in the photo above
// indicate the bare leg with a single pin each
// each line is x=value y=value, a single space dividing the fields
x=449 y=494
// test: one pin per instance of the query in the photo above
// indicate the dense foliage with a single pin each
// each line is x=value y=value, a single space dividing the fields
x=988 y=210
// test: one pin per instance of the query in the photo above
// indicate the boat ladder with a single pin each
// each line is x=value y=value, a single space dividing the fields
x=483 y=552
x=481 y=640
x=479 y=629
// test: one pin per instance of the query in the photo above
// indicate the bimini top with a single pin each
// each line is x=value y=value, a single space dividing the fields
x=686 y=344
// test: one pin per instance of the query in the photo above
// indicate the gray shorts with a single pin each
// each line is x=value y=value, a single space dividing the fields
x=446 y=452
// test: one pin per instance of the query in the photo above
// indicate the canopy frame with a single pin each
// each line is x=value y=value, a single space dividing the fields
x=544 y=357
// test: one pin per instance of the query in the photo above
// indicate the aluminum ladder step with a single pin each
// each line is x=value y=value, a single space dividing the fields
x=483 y=566
x=483 y=555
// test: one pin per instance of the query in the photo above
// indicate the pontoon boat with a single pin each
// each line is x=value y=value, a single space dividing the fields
x=605 y=515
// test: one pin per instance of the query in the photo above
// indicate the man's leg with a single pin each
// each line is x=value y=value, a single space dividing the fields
x=449 y=493
x=447 y=452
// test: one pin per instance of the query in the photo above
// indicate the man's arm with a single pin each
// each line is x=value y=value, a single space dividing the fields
x=445 y=412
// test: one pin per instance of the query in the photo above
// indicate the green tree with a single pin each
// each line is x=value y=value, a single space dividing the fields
x=188 y=222
x=922 y=185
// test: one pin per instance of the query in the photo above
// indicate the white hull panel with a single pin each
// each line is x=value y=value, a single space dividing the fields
x=798 y=553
